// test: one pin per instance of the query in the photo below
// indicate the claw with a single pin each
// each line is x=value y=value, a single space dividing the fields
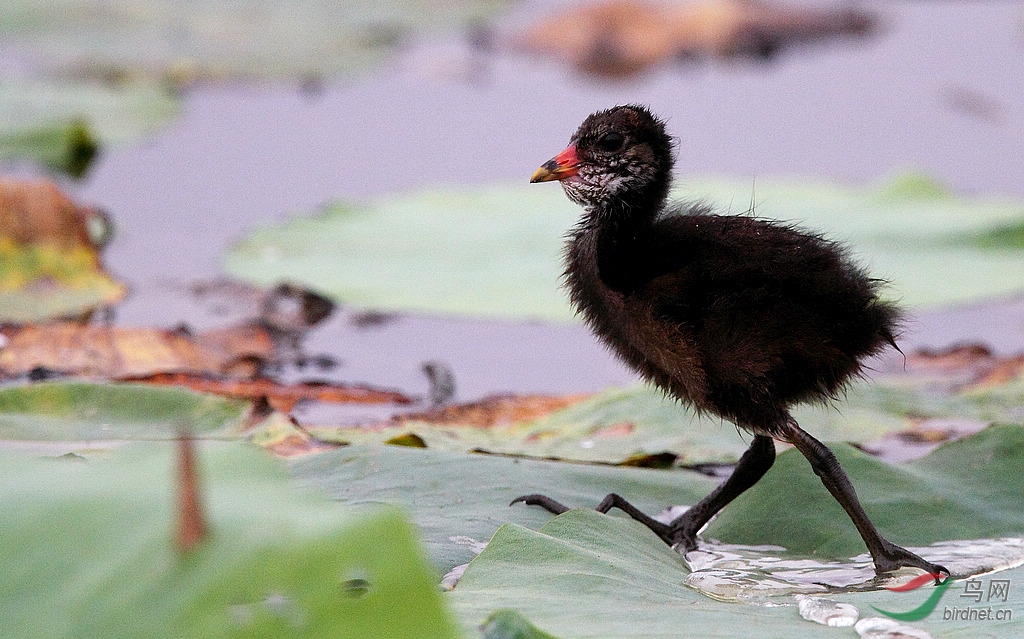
x=893 y=557
x=543 y=501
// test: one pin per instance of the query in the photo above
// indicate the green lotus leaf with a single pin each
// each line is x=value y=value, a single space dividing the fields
x=589 y=575
x=458 y=499
x=961 y=491
x=221 y=39
x=88 y=552
x=509 y=624
x=495 y=251
x=78 y=412
x=584 y=574
x=67 y=147
x=491 y=252
x=62 y=125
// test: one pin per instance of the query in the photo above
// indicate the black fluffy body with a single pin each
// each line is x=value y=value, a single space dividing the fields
x=739 y=316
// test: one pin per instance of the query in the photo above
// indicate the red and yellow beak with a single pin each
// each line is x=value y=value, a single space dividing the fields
x=563 y=165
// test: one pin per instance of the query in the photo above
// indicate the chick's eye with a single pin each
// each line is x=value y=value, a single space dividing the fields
x=610 y=142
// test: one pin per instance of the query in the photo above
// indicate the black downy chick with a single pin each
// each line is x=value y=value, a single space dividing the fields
x=740 y=317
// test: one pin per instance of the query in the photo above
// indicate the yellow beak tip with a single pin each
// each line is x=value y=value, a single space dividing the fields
x=541 y=175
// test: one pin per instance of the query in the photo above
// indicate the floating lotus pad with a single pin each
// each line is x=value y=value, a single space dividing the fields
x=623 y=426
x=964 y=490
x=492 y=252
x=456 y=498
x=103 y=73
x=220 y=38
x=61 y=124
x=75 y=411
x=89 y=553
x=495 y=251
x=589 y=575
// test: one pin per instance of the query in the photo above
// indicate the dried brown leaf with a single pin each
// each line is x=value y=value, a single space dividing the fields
x=37 y=212
x=280 y=397
x=489 y=412
x=958 y=355
x=104 y=352
x=626 y=37
x=969 y=366
x=1004 y=370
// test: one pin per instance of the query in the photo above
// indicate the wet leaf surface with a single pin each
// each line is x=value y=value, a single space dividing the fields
x=626 y=583
x=495 y=251
x=624 y=38
x=90 y=553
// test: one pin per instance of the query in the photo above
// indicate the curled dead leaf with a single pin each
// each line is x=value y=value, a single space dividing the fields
x=73 y=349
x=1004 y=370
x=621 y=429
x=490 y=411
x=38 y=212
x=951 y=357
x=280 y=397
x=282 y=436
x=968 y=366
x=49 y=255
x=621 y=38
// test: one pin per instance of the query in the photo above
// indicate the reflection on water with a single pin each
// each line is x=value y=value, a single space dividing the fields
x=730 y=572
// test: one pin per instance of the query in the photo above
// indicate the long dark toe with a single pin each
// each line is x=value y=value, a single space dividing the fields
x=543 y=501
x=895 y=557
